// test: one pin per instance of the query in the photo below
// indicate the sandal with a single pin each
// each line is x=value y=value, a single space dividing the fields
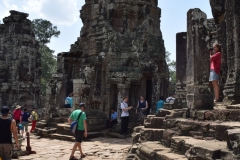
x=83 y=155
x=73 y=158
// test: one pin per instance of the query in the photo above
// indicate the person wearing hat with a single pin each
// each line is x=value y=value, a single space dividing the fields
x=7 y=128
x=81 y=129
x=17 y=114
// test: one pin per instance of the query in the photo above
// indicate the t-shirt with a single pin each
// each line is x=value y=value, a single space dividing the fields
x=68 y=100
x=114 y=115
x=74 y=115
x=17 y=114
x=124 y=113
x=25 y=116
x=170 y=100
x=215 y=63
x=159 y=105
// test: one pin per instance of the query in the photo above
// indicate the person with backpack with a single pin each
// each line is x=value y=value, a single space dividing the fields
x=24 y=120
x=68 y=101
x=34 y=118
x=81 y=129
x=7 y=129
x=125 y=116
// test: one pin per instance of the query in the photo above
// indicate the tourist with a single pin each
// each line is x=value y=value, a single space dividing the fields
x=141 y=109
x=17 y=114
x=215 y=65
x=160 y=104
x=170 y=99
x=7 y=129
x=68 y=101
x=125 y=116
x=24 y=119
x=34 y=118
x=113 y=119
x=81 y=129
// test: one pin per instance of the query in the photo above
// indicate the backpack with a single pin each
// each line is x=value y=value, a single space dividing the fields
x=73 y=126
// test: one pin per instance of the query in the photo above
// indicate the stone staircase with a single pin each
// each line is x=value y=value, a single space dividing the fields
x=59 y=128
x=206 y=135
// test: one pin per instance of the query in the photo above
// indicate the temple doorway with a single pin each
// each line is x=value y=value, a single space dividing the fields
x=149 y=90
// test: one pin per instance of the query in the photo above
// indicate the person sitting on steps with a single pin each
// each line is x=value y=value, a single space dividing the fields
x=113 y=119
x=68 y=101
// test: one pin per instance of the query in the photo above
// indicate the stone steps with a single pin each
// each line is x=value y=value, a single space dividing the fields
x=154 y=122
x=182 y=148
x=201 y=129
x=151 y=134
x=154 y=151
x=45 y=131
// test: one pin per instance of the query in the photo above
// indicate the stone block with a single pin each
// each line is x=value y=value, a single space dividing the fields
x=233 y=140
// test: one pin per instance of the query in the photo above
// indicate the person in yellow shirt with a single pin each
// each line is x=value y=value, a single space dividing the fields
x=34 y=118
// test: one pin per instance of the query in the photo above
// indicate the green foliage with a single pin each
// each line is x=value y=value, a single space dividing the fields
x=44 y=31
x=171 y=67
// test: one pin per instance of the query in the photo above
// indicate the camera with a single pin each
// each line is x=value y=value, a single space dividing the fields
x=210 y=49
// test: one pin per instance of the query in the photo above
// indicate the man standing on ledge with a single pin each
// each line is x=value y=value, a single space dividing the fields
x=7 y=128
x=81 y=129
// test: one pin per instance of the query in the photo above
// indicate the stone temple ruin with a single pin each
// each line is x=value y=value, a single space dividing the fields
x=120 y=52
x=20 y=62
x=195 y=128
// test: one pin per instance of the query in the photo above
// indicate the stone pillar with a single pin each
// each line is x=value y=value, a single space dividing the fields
x=198 y=93
x=77 y=89
x=123 y=90
x=232 y=17
x=181 y=65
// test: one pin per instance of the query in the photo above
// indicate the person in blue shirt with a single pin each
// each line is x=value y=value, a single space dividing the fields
x=113 y=119
x=68 y=101
x=160 y=104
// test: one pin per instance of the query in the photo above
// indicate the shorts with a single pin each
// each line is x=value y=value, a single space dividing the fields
x=79 y=135
x=17 y=121
x=213 y=76
x=6 y=151
x=25 y=126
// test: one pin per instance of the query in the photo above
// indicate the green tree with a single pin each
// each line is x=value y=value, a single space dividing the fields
x=44 y=30
x=171 y=67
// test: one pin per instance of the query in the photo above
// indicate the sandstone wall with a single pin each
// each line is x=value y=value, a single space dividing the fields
x=20 y=62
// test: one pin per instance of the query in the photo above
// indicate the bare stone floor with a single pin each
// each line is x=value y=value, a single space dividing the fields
x=95 y=149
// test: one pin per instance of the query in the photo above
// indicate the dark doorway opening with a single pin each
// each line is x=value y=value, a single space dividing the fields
x=149 y=93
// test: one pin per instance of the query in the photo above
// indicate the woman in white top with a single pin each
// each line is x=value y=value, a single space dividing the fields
x=125 y=116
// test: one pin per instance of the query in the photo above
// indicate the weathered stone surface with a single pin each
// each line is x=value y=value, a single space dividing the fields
x=181 y=68
x=198 y=95
x=120 y=52
x=231 y=89
x=218 y=10
x=20 y=62
x=233 y=140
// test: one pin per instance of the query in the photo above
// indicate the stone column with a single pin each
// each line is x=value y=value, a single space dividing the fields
x=77 y=89
x=198 y=93
x=123 y=90
x=181 y=65
x=232 y=17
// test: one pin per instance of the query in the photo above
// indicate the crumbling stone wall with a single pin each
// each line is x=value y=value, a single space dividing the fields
x=120 y=52
x=226 y=15
x=20 y=63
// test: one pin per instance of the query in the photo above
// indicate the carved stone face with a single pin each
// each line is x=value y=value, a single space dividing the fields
x=25 y=62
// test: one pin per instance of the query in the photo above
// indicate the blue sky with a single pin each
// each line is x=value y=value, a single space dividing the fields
x=65 y=14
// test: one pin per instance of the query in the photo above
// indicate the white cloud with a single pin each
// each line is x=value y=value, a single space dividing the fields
x=59 y=12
